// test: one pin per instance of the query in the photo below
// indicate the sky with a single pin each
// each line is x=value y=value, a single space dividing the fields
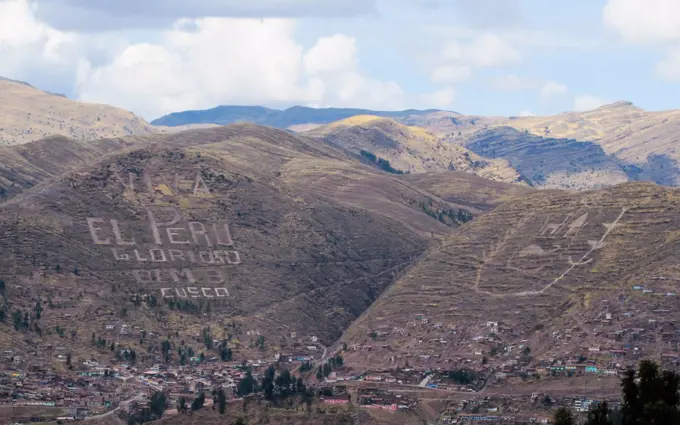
x=487 y=57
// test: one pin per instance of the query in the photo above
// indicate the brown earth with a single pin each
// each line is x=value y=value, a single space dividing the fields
x=318 y=237
x=547 y=267
x=410 y=149
x=28 y=114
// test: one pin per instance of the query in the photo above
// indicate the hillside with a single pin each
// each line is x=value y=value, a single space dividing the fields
x=472 y=193
x=26 y=165
x=644 y=140
x=550 y=162
x=573 y=277
x=258 y=233
x=409 y=149
x=28 y=114
x=294 y=116
x=621 y=142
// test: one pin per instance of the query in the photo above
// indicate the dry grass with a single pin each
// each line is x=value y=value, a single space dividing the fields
x=509 y=266
x=410 y=148
x=319 y=234
x=623 y=130
x=28 y=114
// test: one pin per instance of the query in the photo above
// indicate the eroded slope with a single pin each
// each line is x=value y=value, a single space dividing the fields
x=557 y=272
x=28 y=114
x=410 y=149
x=250 y=229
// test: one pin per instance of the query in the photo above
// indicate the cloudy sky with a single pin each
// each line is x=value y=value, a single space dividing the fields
x=492 y=57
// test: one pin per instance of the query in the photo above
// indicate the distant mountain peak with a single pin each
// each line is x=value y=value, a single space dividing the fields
x=621 y=104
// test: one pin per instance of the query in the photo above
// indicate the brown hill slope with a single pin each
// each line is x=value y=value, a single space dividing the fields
x=28 y=114
x=464 y=190
x=248 y=229
x=410 y=149
x=23 y=166
x=644 y=139
x=552 y=271
x=550 y=162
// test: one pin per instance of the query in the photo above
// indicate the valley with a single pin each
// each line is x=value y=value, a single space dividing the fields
x=368 y=267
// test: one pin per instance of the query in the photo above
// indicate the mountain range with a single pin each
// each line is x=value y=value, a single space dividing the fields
x=412 y=240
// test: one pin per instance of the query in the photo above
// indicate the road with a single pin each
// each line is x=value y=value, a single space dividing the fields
x=413 y=388
x=425 y=381
x=111 y=412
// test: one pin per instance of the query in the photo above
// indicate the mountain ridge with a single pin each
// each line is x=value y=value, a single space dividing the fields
x=28 y=114
x=295 y=115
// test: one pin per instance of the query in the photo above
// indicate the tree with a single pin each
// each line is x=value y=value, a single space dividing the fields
x=300 y=386
x=268 y=383
x=182 y=404
x=599 y=415
x=547 y=401
x=2 y=286
x=653 y=399
x=68 y=360
x=247 y=385
x=284 y=383
x=563 y=416
x=225 y=354
x=198 y=402
x=165 y=348
x=221 y=400
x=157 y=403
x=38 y=309
x=16 y=318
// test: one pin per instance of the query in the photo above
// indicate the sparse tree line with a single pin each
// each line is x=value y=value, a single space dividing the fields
x=448 y=216
x=331 y=364
x=273 y=386
x=649 y=397
x=381 y=163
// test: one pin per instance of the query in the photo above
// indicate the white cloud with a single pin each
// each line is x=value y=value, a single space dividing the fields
x=237 y=61
x=460 y=56
x=648 y=21
x=552 y=88
x=588 y=103
x=526 y=114
x=334 y=77
x=512 y=83
x=25 y=41
x=440 y=99
x=450 y=74
x=484 y=51
x=107 y=15
x=669 y=68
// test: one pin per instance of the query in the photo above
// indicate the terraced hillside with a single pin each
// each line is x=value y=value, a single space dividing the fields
x=26 y=165
x=550 y=162
x=464 y=190
x=28 y=114
x=410 y=149
x=249 y=230
x=644 y=140
x=556 y=272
